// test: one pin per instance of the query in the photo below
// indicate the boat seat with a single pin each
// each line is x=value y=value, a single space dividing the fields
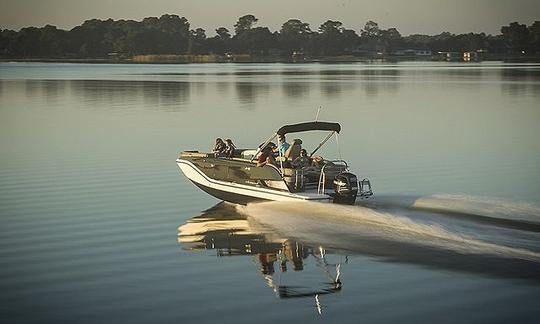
x=195 y=154
x=248 y=154
x=294 y=150
x=289 y=172
x=237 y=153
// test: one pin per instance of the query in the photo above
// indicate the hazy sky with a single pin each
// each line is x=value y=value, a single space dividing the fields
x=408 y=16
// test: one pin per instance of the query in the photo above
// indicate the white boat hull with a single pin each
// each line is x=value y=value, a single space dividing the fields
x=239 y=193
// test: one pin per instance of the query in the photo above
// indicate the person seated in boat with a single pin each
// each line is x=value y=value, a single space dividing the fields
x=219 y=147
x=265 y=157
x=294 y=150
x=302 y=161
x=318 y=161
x=283 y=146
x=273 y=149
x=229 y=148
x=291 y=153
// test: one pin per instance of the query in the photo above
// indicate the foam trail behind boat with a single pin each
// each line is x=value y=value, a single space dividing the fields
x=347 y=227
x=495 y=209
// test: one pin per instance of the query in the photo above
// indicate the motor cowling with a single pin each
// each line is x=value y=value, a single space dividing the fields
x=345 y=188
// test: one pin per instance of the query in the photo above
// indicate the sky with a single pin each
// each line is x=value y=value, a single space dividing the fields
x=408 y=16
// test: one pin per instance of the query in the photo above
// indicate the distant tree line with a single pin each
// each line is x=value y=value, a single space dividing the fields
x=171 y=34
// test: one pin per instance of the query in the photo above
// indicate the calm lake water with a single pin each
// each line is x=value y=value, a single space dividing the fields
x=97 y=224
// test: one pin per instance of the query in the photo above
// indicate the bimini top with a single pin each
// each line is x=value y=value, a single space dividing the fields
x=309 y=126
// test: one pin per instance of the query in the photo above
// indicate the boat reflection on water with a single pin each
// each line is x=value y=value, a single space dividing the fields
x=494 y=246
x=230 y=233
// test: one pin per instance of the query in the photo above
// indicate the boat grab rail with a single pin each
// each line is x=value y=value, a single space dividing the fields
x=322 y=176
x=362 y=192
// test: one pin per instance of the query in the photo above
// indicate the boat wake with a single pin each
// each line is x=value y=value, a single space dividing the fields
x=496 y=211
x=448 y=231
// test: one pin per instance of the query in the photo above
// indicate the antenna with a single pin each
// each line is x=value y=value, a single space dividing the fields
x=318 y=112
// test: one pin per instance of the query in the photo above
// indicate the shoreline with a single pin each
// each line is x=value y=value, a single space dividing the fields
x=202 y=59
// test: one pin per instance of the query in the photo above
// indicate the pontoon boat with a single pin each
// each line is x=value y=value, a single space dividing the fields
x=240 y=180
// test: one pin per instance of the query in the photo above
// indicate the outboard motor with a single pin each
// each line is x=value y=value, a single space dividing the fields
x=345 y=188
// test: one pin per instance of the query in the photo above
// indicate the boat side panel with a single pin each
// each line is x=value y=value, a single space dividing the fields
x=194 y=174
x=241 y=172
x=228 y=196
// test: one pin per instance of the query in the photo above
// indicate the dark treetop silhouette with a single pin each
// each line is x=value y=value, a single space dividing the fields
x=171 y=34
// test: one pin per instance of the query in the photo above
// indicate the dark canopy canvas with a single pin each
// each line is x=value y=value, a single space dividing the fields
x=309 y=126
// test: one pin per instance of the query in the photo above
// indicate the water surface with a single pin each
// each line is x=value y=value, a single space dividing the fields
x=98 y=224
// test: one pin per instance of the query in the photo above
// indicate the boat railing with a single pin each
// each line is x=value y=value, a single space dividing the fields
x=365 y=189
x=338 y=162
x=322 y=177
x=294 y=178
x=299 y=179
x=322 y=180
